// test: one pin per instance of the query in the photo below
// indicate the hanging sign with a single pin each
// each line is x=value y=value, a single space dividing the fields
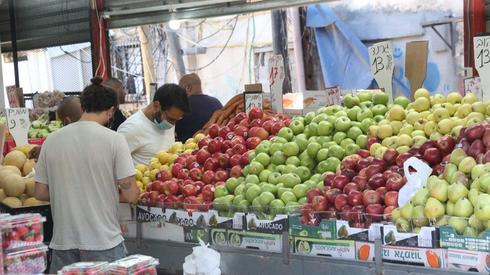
x=381 y=59
x=276 y=82
x=333 y=96
x=252 y=100
x=473 y=85
x=12 y=96
x=18 y=123
x=481 y=49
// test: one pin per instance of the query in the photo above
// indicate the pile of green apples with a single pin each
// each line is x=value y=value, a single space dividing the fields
x=410 y=124
x=459 y=198
x=282 y=170
x=41 y=128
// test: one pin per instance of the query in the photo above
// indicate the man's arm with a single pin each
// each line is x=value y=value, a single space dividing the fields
x=41 y=192
x=128 y=190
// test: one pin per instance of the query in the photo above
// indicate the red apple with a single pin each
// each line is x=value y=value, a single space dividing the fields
x=345 y=211
x=355 y=198
x=445 y=144
x=328 y=178
x=428 y=144
x=313 y=193
x=370 y=197
x=157 y=186
x=381 y=191
x=267 y=125
x=203 y=142
x=332 y=194
x=252 y=142
x=350 y=162
x=376 y=181
x=189 y=190
x=350 y=187
x=195 y=174
x=339 y=181
x=476 y=148
x=356 y=214
x=363 y=153
x=240 y=117
x=236 y=171
x=390 y=156
x=258 y=132
x=183 y=174
x=319 y=203
x=208 y=192
x=255 y=113
x=432 y=156
x=170 y=187
x=276 y=127
x=214 y=146
x=208 y=177
x=256 y=123
x=244 y=159
x=164 y=175
x=387 y=212
x=375 y=212
x=239 y=149
x=340 y=201
x=221 y=175
x=213 y=130
x=235 y=160
x=224 y=161
x=391 y=198
x=371 y=141
x=176 y=169
x=202 y=155
x=349 y=173
x=402 y=158
x=474 y=132
x=241 y=131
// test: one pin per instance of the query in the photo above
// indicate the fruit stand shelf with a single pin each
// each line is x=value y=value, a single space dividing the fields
x=243 y=261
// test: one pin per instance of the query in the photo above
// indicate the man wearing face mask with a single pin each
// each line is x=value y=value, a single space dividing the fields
x=153 y=129
x=84 y=170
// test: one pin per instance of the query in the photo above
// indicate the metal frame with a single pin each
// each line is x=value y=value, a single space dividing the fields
x=432 y=24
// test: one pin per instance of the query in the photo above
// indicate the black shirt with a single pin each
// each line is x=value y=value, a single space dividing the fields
x=202 y=108
x=119 y=118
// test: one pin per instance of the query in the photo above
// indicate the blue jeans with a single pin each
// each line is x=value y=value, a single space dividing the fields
x=61 y=258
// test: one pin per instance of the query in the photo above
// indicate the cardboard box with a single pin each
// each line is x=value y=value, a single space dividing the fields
x=275 y=226
x=464 y=260
x=162 y=231
x=174 y=216
x=218 y=237
x=255 y=240
x=427 y=237
x=428 y=257
x=339 y=249
x=450 y=239
x=236 y=222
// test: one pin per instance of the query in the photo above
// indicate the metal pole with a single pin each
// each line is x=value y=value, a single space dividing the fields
x=298 y=50
x=175 y=51
x=13 y=39
x=313 y=68
x=280 y=44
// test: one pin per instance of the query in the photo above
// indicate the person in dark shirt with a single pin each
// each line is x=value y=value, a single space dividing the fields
x=202 y=108
x=117 y=86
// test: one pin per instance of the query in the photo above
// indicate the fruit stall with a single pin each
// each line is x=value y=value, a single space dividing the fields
x=367 y=185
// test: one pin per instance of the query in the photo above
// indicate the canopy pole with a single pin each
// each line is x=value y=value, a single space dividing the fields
x=13 y=39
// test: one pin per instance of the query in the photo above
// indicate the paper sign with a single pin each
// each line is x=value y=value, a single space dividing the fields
x=382 y=67
x=416 y=64
x=18 y=123
x=276 y=81
x=333 y=96
x=415 y=181
x=481 y=46
x=252 y=99
x=473 y=85
x=12 y=96
x=313 y=100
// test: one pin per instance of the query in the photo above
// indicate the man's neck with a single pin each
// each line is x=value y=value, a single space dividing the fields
x=148 y=112
x=94 y=117
x=197 y=93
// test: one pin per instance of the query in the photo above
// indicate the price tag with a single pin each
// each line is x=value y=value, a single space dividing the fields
x=18 y=123
x=333 y=96
x=12 y=96
x=481 y=46
x=382 y=67
x=252 y=99
x=473 y=85
x=276 y=81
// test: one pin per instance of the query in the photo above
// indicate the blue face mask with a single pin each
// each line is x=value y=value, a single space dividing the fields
x=163 y=125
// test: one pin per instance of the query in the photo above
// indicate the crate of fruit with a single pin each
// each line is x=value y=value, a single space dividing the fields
x=135 y=265
x=23 y=230
x=26 y=261
x=85 y=268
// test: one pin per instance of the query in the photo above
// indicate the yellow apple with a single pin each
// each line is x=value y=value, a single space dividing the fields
x=396 y=125
x=421 y=104
x=146 y=174
x=419 y=140
x=469 y=98
x=146 y=180
x=424 y=114
x=455 y=131
x=440 y=114
x=435 y=136
x=404 y=140
x=198 y=137
x=472 y=121
x=479 y=107
x=397 y=112
x=430 y=127
x=488 y=109
x=450 y=108
x=464 y=110
x=402 y=149
x=138 y=175
x=190 y=146
x=406 y=129
x=390 y=142
x=418 y=133
x=475 y=115
x=412 y=116
x=419 y=124
x=445 y=126
x=141 y=168
x=374 y=147
x=385 y=131
x=437 y=99
x=163 y=157
x=422 y=92
x=153 y=174
x=379 y=153
x=373 y=130
x=454 y=98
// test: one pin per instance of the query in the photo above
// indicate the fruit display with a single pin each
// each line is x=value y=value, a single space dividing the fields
x=42 y=128
x=134 y=264
x=85 y=268
x=20 y=231
x=29 y=261
x=195 y=178
x=16 y=181
x=460 y=196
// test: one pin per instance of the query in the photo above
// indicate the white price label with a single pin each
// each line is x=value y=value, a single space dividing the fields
x=333 y=96
x=252 y=100
x=481 y=49
x=382 y=67
x=18 y=123
x=276 y=81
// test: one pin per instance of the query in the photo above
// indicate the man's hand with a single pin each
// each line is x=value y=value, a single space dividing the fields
x=128 y=190
x=34 y=153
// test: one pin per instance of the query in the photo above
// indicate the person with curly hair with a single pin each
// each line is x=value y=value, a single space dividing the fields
x=84 y=170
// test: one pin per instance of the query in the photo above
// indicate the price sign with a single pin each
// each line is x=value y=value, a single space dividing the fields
x=481 y=46
x=276 y=81
x=12 y=96
x=333 y=96
x=473 y=85
x=18 y=123
x=382 y=67
x=252 y=99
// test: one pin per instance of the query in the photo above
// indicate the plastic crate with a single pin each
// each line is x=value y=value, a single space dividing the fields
x=24 y=230
x=26 y=261
x=85 y=268
x=135 y=265
x=43 y=210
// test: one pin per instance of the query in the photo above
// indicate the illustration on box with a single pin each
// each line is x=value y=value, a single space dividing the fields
x=326 y=248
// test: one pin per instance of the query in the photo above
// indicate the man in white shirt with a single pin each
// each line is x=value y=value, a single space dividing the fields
x=153 y=128
x=84 y=170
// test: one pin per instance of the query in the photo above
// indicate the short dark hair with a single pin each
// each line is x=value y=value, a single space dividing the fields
x=96 y=98
x=172 y=95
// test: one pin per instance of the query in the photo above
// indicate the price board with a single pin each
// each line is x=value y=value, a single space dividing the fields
x=252 y=100
x=333 y=96
x=276 y=82
x=382 y=67
x=18 y=123
x=481 y=49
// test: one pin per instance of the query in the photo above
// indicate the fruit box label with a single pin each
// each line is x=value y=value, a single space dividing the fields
x=217 y=221
x=163 y=232
x=451 y=239
x=326 y=248
x=345 y=231
x=255 y=240
x=174 y=216
x=427 y=237
x=465 y=260
x=434 y=258
x=192 y=235
x=277 y=225
x=150 y=214
x=218 y=237
x=364 y=251
x=326 y=230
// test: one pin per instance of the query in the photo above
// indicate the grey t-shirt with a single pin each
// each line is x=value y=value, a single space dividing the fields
x=81 y=163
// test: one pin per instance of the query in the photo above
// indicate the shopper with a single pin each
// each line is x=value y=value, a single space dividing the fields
x=118 y=87
x=69 y=111
x=152 y=129
x=202 y=106
x=80 y=169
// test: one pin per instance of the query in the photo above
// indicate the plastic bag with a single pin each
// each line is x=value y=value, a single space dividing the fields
x=202 y=261
x=415 y=181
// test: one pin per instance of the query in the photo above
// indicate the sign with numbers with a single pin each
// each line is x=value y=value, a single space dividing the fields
x=12 y=96
x=252 y=99
x=473 y=85
x=333 y=96
x=481 y=46
x=18 y=123
x=276 y=82
x=382 y=67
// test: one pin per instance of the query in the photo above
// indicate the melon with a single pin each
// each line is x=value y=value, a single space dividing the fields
x=14 y=185
x=28 y=166
x=23 y=197
x=15 y=158
x=32 y=202
x=30 y=186
x=12 y=202
x=6 y=171
x=2 y=195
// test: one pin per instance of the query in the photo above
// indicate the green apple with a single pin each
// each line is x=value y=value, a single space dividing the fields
x=231 y=184
x=336 y=151
x=297 y=126
x=309 y=117
x=257 y=207
x=286 y=133
x=378 y=118
x=302 y=141
x=290 y=149
x=303 y=172
x=319 y=118
x=379 y=110
x=313 y=148
x=352 y=112
x=365 y=124
x=323 y=154
x=279 y=140
x=290 y=180
x=380 y=98
x=342 y=124
x=263 y=147
x=396 y=112
x=265 y=198
x=274 y=178
x=252 y=192
x=264 y=175
x=288 y=196
x=365 y=96
x=252 y=179
x=338 y=137
x=346 y=142
x=293 y=160
x=351 y=101
x=325 y=128
x=263 y=158
x=256 y=167
x=362 y=141
x=277 y=206
x=330 y=143
x=324 y=139
x=329 y=165
x=268 y=187
x=341 y=113
x=300 y=190
x=354 y=132
x=278 y=158
x=308 y=162
x=365 y=113
x=352 y=149
x=312 y=129
x=402 y=101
